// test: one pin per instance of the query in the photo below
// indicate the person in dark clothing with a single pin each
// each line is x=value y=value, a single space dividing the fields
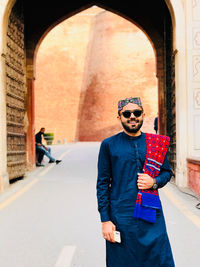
x=132 y=166
x=39 y=152
x=39 y=157
x=156 y=124
x=42 y=149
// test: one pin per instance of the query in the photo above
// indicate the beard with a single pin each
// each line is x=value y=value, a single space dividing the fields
x=128 y=128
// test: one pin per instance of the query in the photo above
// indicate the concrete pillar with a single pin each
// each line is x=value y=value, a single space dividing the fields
x=193 y=79
x=193 y=92
x=178 y=19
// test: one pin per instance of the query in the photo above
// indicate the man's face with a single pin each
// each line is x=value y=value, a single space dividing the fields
x=133 y=123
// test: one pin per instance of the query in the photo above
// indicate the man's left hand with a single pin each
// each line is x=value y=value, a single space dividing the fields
x=144 y=181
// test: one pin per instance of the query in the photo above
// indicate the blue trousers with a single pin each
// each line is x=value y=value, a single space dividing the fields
x=46 y=153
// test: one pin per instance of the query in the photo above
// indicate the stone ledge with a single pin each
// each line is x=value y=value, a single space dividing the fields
x=194 y=160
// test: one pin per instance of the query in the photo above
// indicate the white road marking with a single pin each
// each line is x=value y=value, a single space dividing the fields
x=42 y=173
x=65 y=257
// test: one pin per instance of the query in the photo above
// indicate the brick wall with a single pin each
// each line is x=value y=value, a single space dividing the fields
x=84 y=66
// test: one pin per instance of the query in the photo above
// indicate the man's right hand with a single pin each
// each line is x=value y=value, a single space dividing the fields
x=108 y=229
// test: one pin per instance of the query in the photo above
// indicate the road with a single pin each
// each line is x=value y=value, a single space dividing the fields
x=50 y=218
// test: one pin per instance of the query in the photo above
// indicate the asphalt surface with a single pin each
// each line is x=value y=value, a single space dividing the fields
x=50 y=218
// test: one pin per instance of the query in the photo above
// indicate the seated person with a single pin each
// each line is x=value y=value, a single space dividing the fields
x=42 y=148
x=39 y=157
x=156 y=124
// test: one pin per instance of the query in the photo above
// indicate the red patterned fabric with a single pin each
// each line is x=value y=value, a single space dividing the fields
x=148 y=200
x=157 y=146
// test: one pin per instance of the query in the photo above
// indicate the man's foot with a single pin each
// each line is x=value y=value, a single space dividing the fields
x=39 y=165
x=58 y=161
x=51 y=161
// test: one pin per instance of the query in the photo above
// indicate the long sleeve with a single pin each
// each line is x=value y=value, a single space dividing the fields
x=38 y=138
x=104 y=182
x=165 y=174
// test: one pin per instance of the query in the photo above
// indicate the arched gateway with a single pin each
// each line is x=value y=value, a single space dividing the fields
x=27 y=22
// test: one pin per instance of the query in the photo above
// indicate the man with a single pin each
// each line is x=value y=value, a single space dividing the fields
x=156 y=124
x=40 y=148
x=127 y=195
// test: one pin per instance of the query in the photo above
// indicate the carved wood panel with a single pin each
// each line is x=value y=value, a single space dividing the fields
x=15 y=94
x=171 y=113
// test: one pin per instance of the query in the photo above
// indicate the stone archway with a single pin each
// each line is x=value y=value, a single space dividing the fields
x=151 y=22
x=156 y=31
x=99 y=57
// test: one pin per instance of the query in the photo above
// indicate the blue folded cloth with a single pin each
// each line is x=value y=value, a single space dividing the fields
x=151 y=200
x=146 y=206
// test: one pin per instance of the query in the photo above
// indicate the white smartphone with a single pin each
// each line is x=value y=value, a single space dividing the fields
x=117 y=236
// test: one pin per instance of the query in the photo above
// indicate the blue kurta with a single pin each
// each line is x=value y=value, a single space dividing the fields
x=143 y=244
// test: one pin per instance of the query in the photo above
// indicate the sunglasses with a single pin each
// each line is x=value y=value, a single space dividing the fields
x=127 y=113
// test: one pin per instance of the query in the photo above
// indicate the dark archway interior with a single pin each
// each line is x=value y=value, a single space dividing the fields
x=39 y=16
x=153 y=17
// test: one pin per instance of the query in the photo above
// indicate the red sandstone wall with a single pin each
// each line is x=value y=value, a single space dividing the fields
x=84 y=66
x=59 y=71
x=120 y=63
